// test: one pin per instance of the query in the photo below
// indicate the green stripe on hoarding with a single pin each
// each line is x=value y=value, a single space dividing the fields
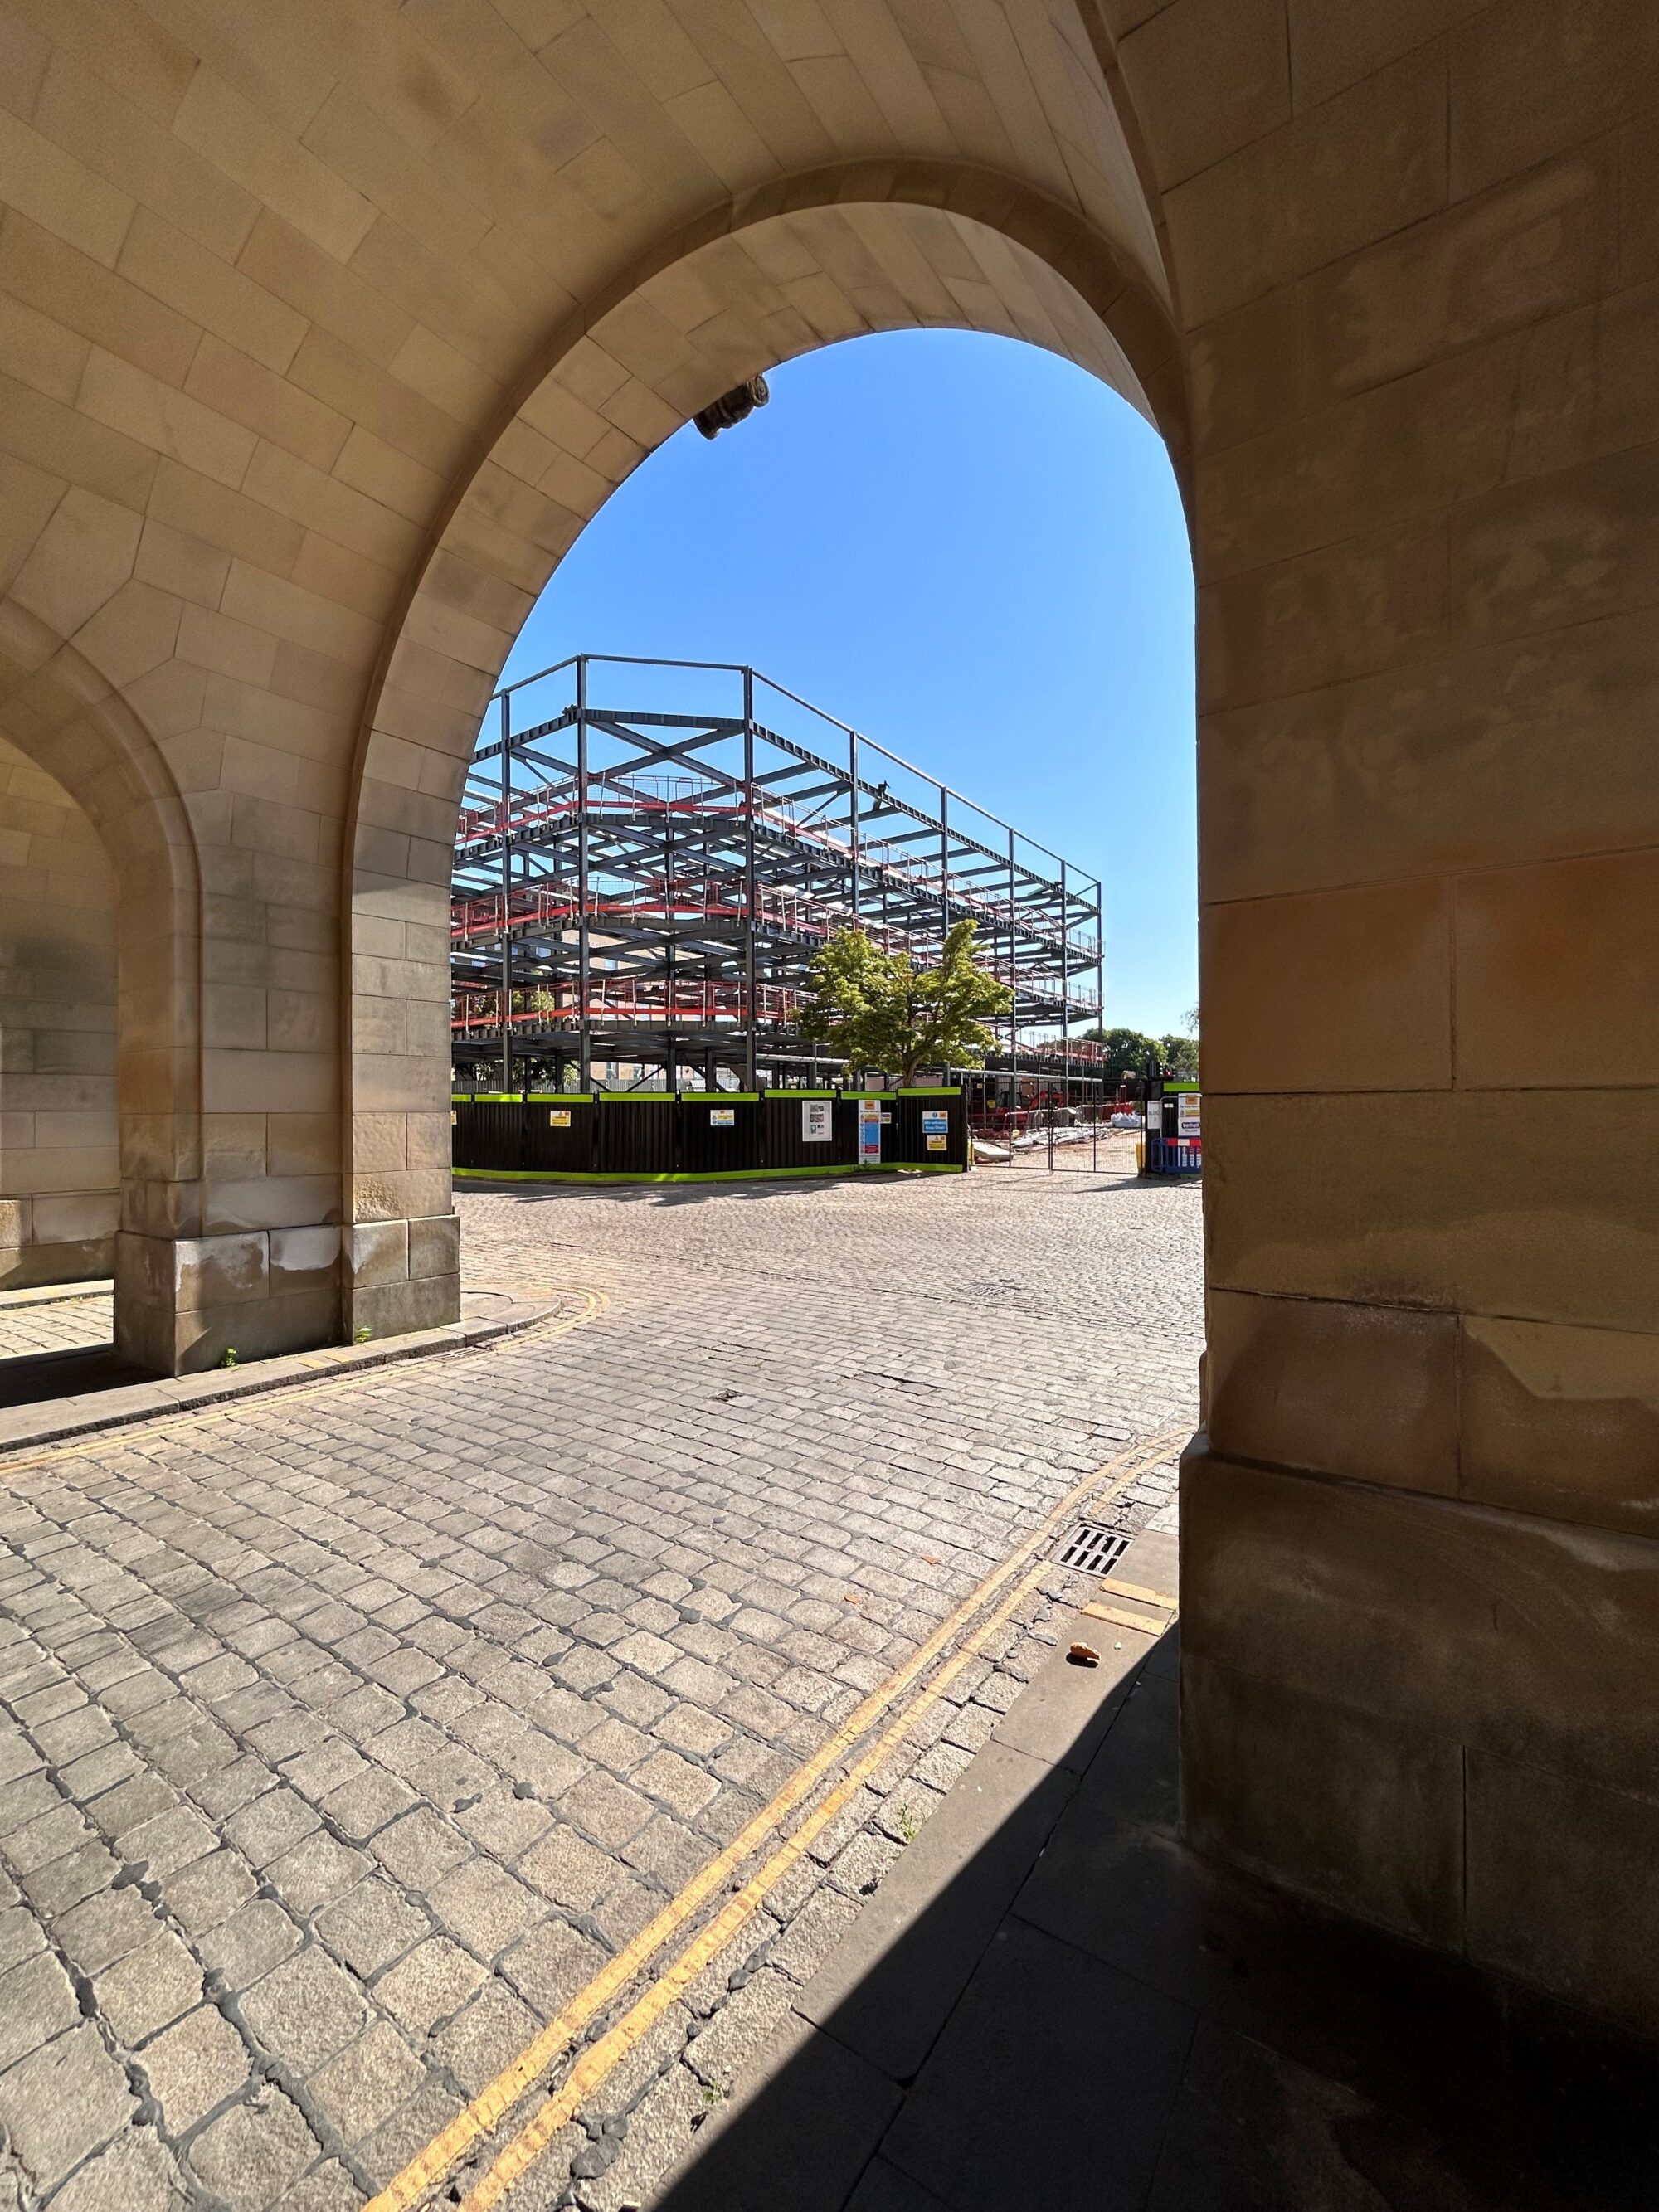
x=708 y=1174
x=931 y=1090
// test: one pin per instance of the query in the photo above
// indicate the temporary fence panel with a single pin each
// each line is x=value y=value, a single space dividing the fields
x=638 y=1133
x=1056 y=1141
x=721 y=1132
x=1174 y=1156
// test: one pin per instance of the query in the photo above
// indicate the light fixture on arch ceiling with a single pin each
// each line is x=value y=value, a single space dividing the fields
x=729 y=409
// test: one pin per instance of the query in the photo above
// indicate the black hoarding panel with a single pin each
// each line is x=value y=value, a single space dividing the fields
x=487 y=1134
x=809 y=1129
x=929 y=1128
x=559 y=1133
x=638 y=1134
x=721 y=1132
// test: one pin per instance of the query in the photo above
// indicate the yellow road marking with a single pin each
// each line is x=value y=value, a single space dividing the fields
x=1135 y=1589
x=257 y=1403
x=1143 y=1621
x=596 y=2064
x=493 y=2103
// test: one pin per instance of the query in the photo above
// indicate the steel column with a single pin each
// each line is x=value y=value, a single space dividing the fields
x=1013 y=982
x=583 y=1064
x=853 y=833
x=1065 y=988
x=944 y=866
x=506 y=892
x=750 y=1009
x=1100 y=961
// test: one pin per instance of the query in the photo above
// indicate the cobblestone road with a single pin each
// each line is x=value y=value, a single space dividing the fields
x=33 y=1322
x=349 y=1732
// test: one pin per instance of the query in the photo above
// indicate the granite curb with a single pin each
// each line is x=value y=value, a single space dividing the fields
x=57 y=1294
x=60 y=1420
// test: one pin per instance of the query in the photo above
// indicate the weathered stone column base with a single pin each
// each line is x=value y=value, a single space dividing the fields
x=1438 y=1716
x=402 y=1275
x=182 y=1303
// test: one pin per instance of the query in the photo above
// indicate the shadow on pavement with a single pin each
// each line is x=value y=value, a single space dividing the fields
x=31 y=1377
x=1051 y=2004
x=658 y=1193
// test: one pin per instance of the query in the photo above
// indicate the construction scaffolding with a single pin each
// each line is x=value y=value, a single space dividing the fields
x=650 y=854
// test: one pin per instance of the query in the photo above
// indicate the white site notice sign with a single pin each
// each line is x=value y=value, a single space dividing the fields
x=815 y=1128
x=1187 y=1123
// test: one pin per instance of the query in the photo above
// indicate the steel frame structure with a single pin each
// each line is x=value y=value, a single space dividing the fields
x=645 y=885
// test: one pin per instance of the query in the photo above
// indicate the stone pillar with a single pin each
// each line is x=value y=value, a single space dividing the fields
x=59 y=1140
x=226 y=976
x=402 y=1267
x=1420 y=1540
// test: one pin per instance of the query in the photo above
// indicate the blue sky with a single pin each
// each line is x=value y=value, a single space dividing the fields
x=972 y=551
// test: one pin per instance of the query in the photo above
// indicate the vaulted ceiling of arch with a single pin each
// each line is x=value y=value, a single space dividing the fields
x=276 y=280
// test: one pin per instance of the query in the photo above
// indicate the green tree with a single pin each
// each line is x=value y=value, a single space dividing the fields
x=1180 y=1053
x=880 y=1009
x=1128 y=1051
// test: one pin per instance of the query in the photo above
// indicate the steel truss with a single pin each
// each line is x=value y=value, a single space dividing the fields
x=646 y=885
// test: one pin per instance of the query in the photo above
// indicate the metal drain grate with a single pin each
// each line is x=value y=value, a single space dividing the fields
x=1091 y=1549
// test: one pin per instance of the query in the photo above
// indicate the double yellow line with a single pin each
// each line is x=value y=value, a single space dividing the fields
x=490 y=2108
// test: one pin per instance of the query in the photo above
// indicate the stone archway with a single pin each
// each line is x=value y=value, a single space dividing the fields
x=830 y=256
x=59 y=1159
x=60 y=710
x=281 y=279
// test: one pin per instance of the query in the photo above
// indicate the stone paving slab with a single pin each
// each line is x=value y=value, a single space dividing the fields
x=346 y=1732
x=485 y=1314
x=61 y=1318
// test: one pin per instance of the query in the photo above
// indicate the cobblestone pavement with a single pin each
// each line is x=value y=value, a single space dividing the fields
x=65 y=1324
x=346 y=1734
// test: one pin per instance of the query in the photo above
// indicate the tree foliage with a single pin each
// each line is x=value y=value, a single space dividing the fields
x=1129 y=1052
x=880 y=1009
x=1180 y=1053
